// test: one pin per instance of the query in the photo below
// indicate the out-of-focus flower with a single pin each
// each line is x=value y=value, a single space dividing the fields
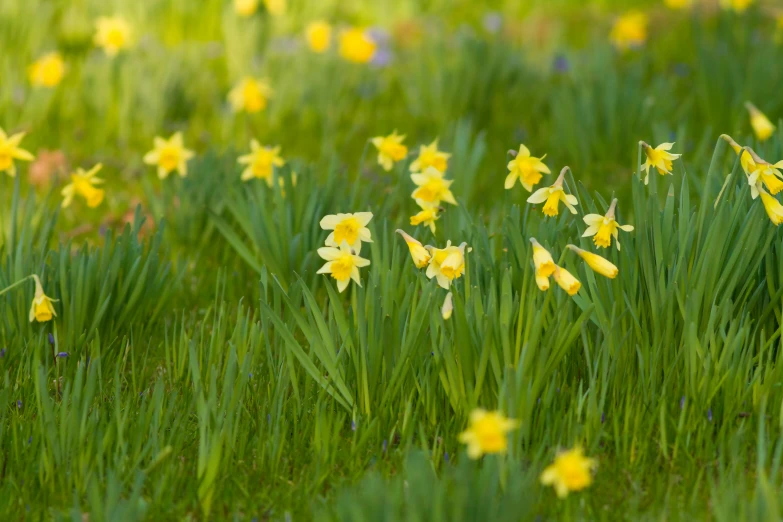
x=553 y=196
x=432 y=187
x=47 y=71
x=250 y=95
x=448 y=307
x=47 y=165
x=738 y=6
x=677 y=4
x=42 y=309
x=276 y=7
x=772 y=206
x=597 y=263
x=561 y=64
x=343 y=265
x=83 y=183
x=430 y=156
x=318 y=35
x=571 y=471
x=492 y=22
x=567 y=281
x=629 y=30
x=260 y=162
x=602 y=228
x=419 y=254
x=169 y=155
x=356 y=45
x=658 y=157
x=762 y=127
x=446 y=264
x=10 y=150
x=487 y=433
x=526 y=169
x=427 y=216
x=390 y=149
x=245 y=7
x=348 y=228
x=112 y=34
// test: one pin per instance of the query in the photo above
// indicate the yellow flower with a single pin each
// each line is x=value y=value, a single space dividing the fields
x=430 y=156
x=42 y=309
x=10 y=150
x=112 y=33
x=772 y=206
x=602 y=228
x=356 y=45
x=83 y=183
x=542 y=282
x=526 y=169
x=677 y=4
x=169 y=155
x=571 y=471
x=738 y=6
x=318 y=35
x=486 y=433
x=553 y=196
x=658 y=157
x=448 y=307
x=47 y=71
x=343 y=264
x=245 y=7
x=567 y=281
x=757 y=169
x=596 y=262
x=275 y=7
x=390 y=149
x=427 y=215
x=432 y=187
x=250 y=95
x=419 y=254
x=349 y=228
x=446 y=264
x=762 y=127
x=629 y=30
x=260 y=162
x=542 y=259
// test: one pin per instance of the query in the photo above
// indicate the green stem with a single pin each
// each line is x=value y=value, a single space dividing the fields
x=4 y=290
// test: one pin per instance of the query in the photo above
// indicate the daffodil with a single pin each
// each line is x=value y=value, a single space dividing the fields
x=553 y=196
x=319 y=36
x=430 y=156
x=245 y=7
x=10 y=150
x=250 y=95
x=768 y=174
x=487 y=433
x=677 y=4
x=169 y=155
x=112 y=34
x=83 y=183
x=526 y=169
x=599 y=264
x=603 y=228
x=772 y=206
x=419 y=254
x=658 y=157
x=542 y=282
x=571 y=471
x=42 y=309
x=343 y=264
x=447 y=308
x=260 y=162
x=276 y=7
x=348 y=228
x=738 y=6
x=432 y=187
x=390 y=149
x=762 y=127
x=542 y=259
x=47 y=71
x=356 y=45
x=446 y=264
x=566 y=281
x=629 y=30
x=427 y=216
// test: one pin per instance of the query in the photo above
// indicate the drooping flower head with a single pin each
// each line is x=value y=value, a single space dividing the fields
x=42 y=309
x=759 y=171
x=342 y=264
x=566 y=281
x=349 y=228
x=112 y=34
x=169 y=155
x=487 y=433
x=83 y=183
x=318 y=35
x=356 y=45
x=599 y=264
x=250 y=95
x=603 y=228
x=629 y=30
x=419 y=253
x=430 y=156
x=553 y=196
x=448 y=307
x=10 y=150
x=47 y=71
x=658 y=157
x=772 y=206
x=762 y=127
x=446 y=264
x=571 y=471
x=432 y=187
x=526 y=169
x=261 y=161
x=390 y=149
x=429 y=213
x=542 y=259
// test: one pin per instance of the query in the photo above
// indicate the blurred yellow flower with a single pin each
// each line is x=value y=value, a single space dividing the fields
x=245 y=7
x=42 y=309
x=427 y=215
x=762 y=127
x=343 y=265
x=390 y=149
x=275 y=7
x=738 y=6
x=83 y=183
x=250 y=95
x=567 y=281
x=112 y=34
x=349 y=228
x=356 y=45
x=553 y=196
x=526 y=169
x=318 y=35
x=658 y=157
x=571 y=471
x=597 y=263
x=260 y=162
x=169 y=155
x=677 y=4
x=10 y=150
x=448 y=307
x=446 y=264
x=542 y=259
x=47 y=71
x=487 y=433
x=772 y=206
x=419 y=254
x=629 y=30
x=432 y=187
x=602 y=228
x=430 y=156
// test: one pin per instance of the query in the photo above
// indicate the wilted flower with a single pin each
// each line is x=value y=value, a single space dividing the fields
x=487 y=433
x=602 y=228
x=427 y=216
x=430 y=156
x=42 y=309
x=448 y=307
x=567 y=281
x=10 y=150
x=83 y=183
x=629 y=30
x=553 y=196
x=446 y=264
x=112 y=34
x=526 y=169
x=349 y=228
x=658 y=157
x=250 y=95
x=432 y=187
x=597 y=263
x=342 y=264
x=571 y=471
x=762 y=127
x=419 y=254
x=169 y=155
x=356 y=45
x=260 y=162
x=318 y=35
x=390 y=149
x=47 y=71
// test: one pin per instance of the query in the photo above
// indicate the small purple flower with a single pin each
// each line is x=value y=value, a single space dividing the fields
x=353 y=425
x=682 y=402
x=446 y=457
x=709 y=414
x=379 y=35
x=62 y=355
x=681 y=69
x=384 y=445
x=19 y=403
x=492 y=22
x=251 y=375
x=51 y=339
x=603 y=418
x=269 y=418
x=561 y=64
x=30 y=440
x=2 y=352
x=382 y=57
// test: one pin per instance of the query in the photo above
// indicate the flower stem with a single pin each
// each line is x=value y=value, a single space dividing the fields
x=6 y=289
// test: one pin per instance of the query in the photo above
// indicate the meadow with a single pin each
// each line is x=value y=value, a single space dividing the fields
x=391 y=260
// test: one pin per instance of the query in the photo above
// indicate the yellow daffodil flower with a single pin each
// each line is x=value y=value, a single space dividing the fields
x=677 y=4
x=390 y=149
x=738 y=6
x=602 y=228
x=169 y=155
x=448 y=307
x=553 y=196
x=112 y=34
x=343 y=264
x=250 y=95
x=419 y=254
x=542 y=259
x=427 y=216
x=629 y=30
x=432 y=187
x=762 y=127
x=599 y=264
x=772 y=206
x=10 y=150
x=245 y=7
x=757 y=169
x=446 y=264
x=47 y=71
x=430 y=156
x=275 y=7
x=526 y=169
x=348 y=228
x=542 y=282
x=260 y=162
x=658 y=157
x=42 y=309
x=356 y=45
x=83 y=183
x=566 y=281
x=571 y=471
x=318 y=35
x=487 y=433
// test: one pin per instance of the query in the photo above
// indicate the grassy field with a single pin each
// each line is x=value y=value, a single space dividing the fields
x=199 y=346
